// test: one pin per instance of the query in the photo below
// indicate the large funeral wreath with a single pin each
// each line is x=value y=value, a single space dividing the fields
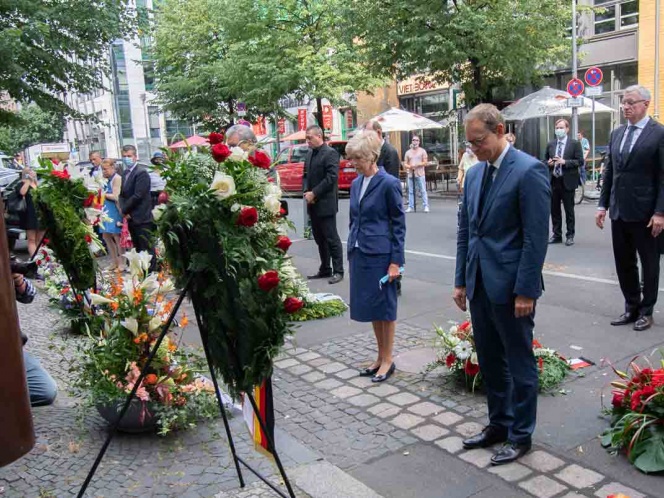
x=222 y=227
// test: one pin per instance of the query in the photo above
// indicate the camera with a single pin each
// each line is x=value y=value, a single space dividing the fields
x=26 y=268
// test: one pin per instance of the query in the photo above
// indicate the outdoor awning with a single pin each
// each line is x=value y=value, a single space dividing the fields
x=400 y=120
x=547 y=102
x=193 y=141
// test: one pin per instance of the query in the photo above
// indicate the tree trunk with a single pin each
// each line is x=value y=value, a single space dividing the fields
x=319 y=114
x=481 y=93
x=231 y=110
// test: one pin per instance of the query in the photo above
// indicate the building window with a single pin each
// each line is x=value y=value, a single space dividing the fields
x=121 y=91
x=616 y=15
x=177 y=129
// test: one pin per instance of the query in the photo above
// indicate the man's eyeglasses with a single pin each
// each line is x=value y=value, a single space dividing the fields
x=478 y=141
x=631 y=103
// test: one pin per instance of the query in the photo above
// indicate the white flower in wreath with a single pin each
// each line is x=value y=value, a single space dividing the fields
x=158 y=211
x=131 y=324
x=463 y=350
x=223 y=185
x=139 y=262
x=236 y=207
x=238 y=154
x=274 y=190
x=473 y=359
x=272 y=204
x=154 y=324
x=454 y=330
x=96 y=299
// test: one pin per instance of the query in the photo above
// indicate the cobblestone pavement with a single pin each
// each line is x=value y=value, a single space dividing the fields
x=320 y=401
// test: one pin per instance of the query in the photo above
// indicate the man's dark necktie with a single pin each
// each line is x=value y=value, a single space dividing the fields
x=558 y=169
x=486 y=186
x=624 y=153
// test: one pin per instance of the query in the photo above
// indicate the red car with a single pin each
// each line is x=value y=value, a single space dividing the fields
x=290 y=165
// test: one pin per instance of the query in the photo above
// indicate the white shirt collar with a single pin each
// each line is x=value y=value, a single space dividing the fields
x=498 y=161
x=641 y=124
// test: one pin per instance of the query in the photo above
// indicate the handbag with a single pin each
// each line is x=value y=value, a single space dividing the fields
x=16 y=203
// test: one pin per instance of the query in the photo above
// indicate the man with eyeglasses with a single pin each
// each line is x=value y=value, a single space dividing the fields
x=633 y=194
x=501 y=246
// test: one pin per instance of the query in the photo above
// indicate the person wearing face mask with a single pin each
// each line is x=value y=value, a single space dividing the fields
x=136 y=202
x=564 y=157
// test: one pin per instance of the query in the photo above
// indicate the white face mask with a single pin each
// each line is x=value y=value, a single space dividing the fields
x=561 y=132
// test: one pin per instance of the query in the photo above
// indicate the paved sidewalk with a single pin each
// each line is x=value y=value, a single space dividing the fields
x=335 y=431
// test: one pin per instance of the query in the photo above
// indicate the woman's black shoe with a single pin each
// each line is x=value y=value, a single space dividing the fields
x=368 y=372
x=383 y=378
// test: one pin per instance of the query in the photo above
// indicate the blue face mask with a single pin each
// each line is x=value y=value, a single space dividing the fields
x=128 y=162
x=561 y=133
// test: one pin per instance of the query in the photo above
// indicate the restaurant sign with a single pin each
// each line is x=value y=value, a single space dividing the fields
x=417 y=84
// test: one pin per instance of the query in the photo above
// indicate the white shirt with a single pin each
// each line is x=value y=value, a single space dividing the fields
x=498 y=162
x=639 y=128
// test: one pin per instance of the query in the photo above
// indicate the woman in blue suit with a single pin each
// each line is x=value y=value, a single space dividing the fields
x=375 y=248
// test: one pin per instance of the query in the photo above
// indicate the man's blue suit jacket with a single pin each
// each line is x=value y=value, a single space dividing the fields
x=508 y=242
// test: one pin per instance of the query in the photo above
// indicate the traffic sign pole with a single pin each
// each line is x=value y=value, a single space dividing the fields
x=592 y=149
x=593 y=77
x=575 y=112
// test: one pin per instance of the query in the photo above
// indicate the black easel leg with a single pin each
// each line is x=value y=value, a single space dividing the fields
x=227 y=426
x=138 y=383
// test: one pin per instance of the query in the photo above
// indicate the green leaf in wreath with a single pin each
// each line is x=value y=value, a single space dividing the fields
x=651 y=452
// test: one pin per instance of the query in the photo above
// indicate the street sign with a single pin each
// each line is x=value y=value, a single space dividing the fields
x=594 y=91
x=594 y=76
x=575 y=87
x=575 y=102
x=241 y=109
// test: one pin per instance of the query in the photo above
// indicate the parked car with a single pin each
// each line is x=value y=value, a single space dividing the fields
x=7 y=176
x=290 y=166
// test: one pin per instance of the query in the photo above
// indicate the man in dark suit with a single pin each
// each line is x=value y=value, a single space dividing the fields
x=633 y=193
x=136 y=202
x=389 y=157
x=501 y=246
x=564 y=156
x=321 y=174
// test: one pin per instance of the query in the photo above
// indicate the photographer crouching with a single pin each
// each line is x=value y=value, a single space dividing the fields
x=41 y=385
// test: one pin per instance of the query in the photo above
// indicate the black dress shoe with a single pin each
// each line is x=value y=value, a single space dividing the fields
x=624 y=319
x=643 y=323
x=569 y=241
x=384 y=377
x=489 y=436
x=319 y=275
x=509 y=453
x=336 y=278
x=368 y=372
x=555 y=240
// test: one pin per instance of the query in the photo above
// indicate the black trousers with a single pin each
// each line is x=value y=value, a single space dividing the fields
x=629 y=239
x=324 y=229
x=561 y=195
x=142 y=238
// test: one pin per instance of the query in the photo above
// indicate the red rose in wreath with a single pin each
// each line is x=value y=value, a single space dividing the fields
x=283 y=243
x=470 y=368
x=215 y=138
x=618 y=398
x=248 y=217
x=450 y=359
x=220 y=152
x=268 y=280
x=88 y=239
x=88 y=202
x=464 y=325
x=260 y=159
x=63 y=175
x=293 y=304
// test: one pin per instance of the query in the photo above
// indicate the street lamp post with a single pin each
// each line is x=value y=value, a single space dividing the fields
x=575 y=112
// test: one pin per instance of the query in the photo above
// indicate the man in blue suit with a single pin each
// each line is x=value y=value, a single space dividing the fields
x=501 y=246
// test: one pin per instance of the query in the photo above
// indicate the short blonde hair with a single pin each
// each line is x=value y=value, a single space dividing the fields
x=111 y=162
x=364 y=144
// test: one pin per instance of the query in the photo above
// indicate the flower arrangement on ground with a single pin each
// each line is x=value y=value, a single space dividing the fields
x=222 y=227
x=134 y=311
x=456 y=351
x=62 y=201
x=637 y=417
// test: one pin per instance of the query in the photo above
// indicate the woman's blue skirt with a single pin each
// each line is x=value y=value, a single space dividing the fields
x=369 y=302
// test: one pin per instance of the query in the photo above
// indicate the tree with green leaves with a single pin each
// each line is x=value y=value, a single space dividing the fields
x=30 y=126
x=483 y=45
x=49 y=48
x=298 y=47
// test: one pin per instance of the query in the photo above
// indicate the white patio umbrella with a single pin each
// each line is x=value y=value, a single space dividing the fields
x=547 y=102
x=398 y=120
